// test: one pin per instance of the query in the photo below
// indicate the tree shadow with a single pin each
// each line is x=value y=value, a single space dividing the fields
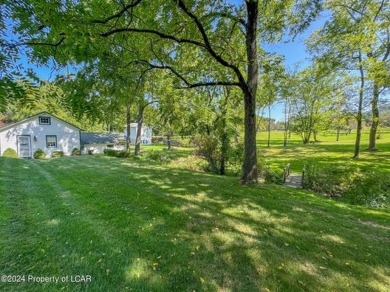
x=157 y=228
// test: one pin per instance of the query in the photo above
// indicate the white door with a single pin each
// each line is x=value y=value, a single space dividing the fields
x=24 y=143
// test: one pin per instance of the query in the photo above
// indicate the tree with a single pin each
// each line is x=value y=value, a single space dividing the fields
x=219 y=33
x=272 y=74
x=16 y=82
x=312 y=92
x=357 y=37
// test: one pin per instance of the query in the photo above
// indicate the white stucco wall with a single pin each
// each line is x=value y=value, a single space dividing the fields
x=146 y=134
x=99 y=148
x=68 y=136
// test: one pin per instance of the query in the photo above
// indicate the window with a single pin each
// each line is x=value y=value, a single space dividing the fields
x=44 y=120
x=51 y=141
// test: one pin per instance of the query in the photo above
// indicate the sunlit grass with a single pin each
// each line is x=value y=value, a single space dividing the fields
x=137 y=226
x=328 y=151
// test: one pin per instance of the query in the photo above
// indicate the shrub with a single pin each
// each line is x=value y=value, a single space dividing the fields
x=157 y=139
x=329 y=179
x=56 y=154
x=349 y=183
x=191 y=162
x=10 y=153
x=157 y=155
x=271 y=176
x=371 y=189
x=116 y=153
x=208 y=148
x=39 y=154
x=187 y=142
x=76 y=152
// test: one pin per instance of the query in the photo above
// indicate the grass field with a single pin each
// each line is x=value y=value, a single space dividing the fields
x=328 y=151
x=138 y=226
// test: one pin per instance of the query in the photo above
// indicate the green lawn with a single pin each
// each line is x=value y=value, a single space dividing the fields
x=137 y=226
x=328 y=151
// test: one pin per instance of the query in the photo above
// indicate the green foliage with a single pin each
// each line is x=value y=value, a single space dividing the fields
x=190 y=162
x=371 y=189
x=157 y=155
x=76 y=152
x=116 y=153
x=330 y=179
x=351 y=184
x=56 y=154
x=157 y=139
x=39 y=154
x=10 y=153
x=208 y=149
x=273 y=176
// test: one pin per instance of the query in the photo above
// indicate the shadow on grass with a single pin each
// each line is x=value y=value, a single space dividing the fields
x=135 y=226
x=328 y=154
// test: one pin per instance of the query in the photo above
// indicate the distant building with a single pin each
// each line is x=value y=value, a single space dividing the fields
x=146 y=134
x=95 y=143
x=41 y=131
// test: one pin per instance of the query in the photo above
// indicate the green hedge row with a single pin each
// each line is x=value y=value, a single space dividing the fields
x=116 y=153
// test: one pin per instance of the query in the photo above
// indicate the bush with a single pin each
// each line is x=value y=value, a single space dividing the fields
x=187 y=142
x=329 y=179
x=157 y=155
x=349 y=183
x=39 y=154
x=56 y=154
x=76 y=152
x=157 y=139
x=371 y=189
x=10 y=153
x=208 y=148
x=272 y=177
x=116 y=153
x=191 y=162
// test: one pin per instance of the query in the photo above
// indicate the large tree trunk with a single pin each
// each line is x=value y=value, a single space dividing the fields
x=140 y=118
x=249 y=167
x=375 y=118
x=359 y=113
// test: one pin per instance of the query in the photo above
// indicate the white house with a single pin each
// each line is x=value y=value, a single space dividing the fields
x=146 y=134
x=41 y=131
x=95 y=143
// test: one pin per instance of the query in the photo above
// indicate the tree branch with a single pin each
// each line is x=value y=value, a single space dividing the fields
x=155 y=32
x=119 y=14
x=205 y=44
x=14 y=45
x=187 y=83
x=379 y=10
x=45 y=44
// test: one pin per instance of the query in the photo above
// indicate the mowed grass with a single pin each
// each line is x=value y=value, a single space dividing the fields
x=141 y=227
x=326 y=152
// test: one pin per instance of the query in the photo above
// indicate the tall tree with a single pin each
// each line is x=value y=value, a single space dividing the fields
x=217 y=32
x=357 y=37
x=312 y=94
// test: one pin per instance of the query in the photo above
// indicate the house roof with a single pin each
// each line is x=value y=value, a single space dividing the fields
x=100 y=138
x=7 y=126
